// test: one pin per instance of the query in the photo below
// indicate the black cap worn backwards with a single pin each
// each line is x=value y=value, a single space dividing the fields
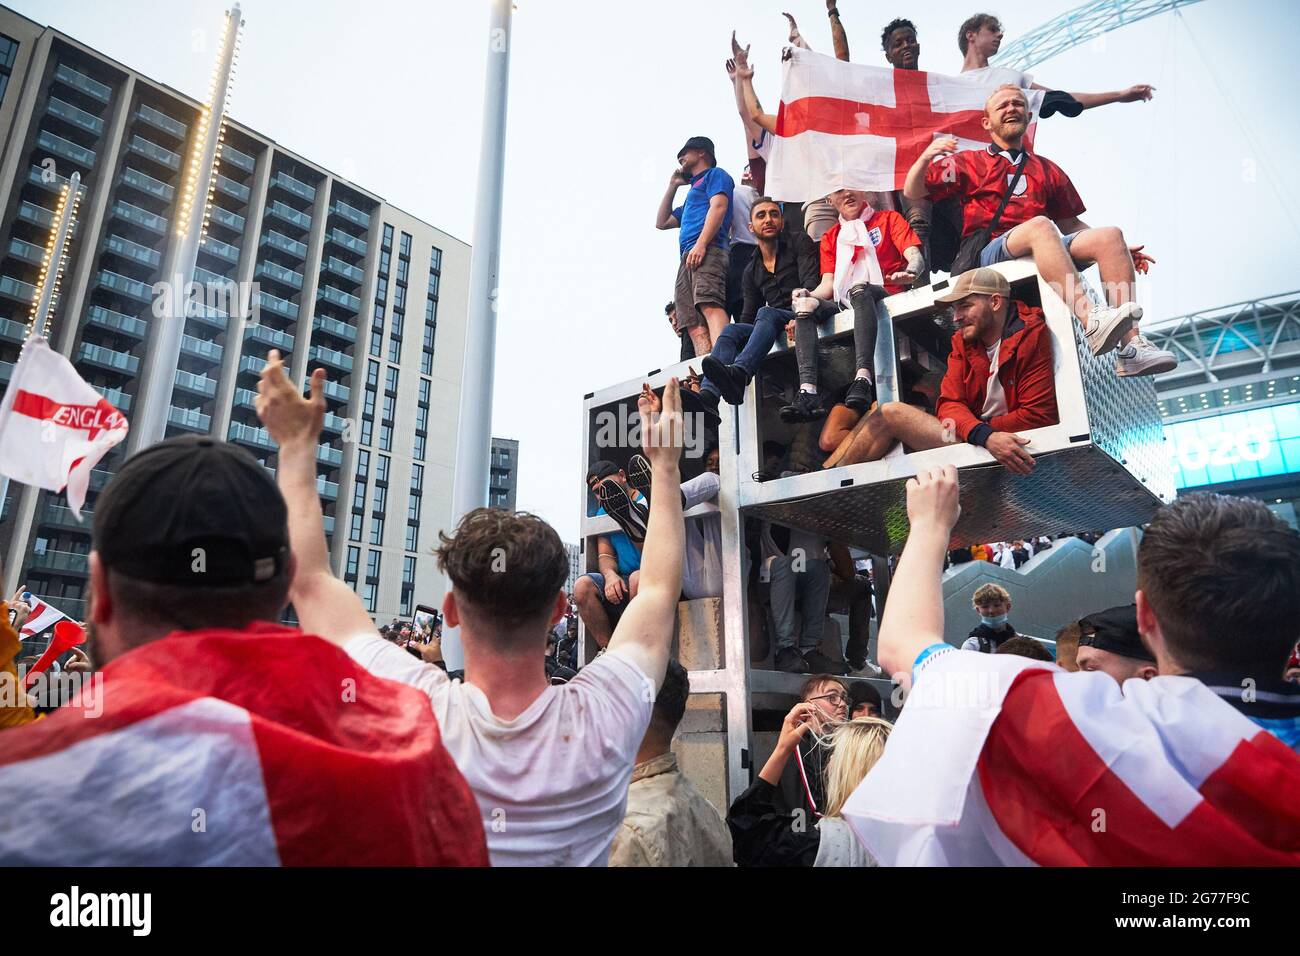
x=601 y=468
x=698 y=142
x=193 y=511
x=1116 y=630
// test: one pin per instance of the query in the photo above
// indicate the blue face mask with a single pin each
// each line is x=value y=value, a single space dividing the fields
x=998 y=621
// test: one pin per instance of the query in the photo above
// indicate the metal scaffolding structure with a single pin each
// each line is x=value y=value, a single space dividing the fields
x=1255 y=337
x=1079 y=26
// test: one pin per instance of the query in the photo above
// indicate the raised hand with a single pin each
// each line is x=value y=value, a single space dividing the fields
x=288 y=416
x=661 y=424
x=794 y=28
x=1141 y=261
x=932 y=499
x=942 y=146
x=1138 y=93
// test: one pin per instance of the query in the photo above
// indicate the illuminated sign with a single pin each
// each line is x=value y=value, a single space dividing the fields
x=1256 y=443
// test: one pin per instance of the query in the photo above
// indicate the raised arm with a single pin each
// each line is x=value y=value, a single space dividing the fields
x=644 y=633
x=326 y=606
x=664 y=218
x=1134 y=94
x=914 y=186
x=745 y=80
x=839 y=38
x=913 y=617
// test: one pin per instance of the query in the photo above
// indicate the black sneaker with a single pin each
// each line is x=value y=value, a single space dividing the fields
x=732 y=380
x=703 y=403
x=861 y=395
x=791 y=661
x=638 y=474
x=819 y=663
x=806 y=407
x=631 y=516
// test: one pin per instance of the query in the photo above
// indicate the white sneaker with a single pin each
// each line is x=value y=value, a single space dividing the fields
x=1106 y=326
x=1140 y=357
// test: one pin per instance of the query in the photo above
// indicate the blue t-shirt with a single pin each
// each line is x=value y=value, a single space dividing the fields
x=704 y=186
x=629 y=558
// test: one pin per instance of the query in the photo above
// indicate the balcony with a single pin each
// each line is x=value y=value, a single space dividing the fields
x=66 y=148
x=279 y=306
x=344 y=270
x=246 y=398
x=208 y=315
x=222 y=250
x=335 y=424
x=251 y=435
x=12 y=288
x=27 y=251
x=287 y=213
x=233 y=189
x=327 y=489
x=39 y=215
x=147 y=184
x=343 y=210
x=295 y=187
x=46 y=179
x=12 y=331
x=125 y=286
x=99 y=478
x=237 y=159
x=224 y=217
x=133 y=251
x=196 y=384
x=346 y=241
x=190 y=419
x=251 y=365
x=79 y=81
x=342 y=299
x=104 y=318
x=62 y=517
x=6 y=373
x=340 y=393
x=328 y=455
x=116 y=397
x=102 y=357
x=328 y=522
x=210 y=280
x=140 y=217
x=65 y=561
x=271 y=338
x=293 y=247
x=151 y=150
x=160 y=120
x=201 y=348
x=340 y=330
x=278 y=273
x=78 y=118
x=330 y=357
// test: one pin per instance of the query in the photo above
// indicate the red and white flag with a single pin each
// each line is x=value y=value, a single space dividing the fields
x=54 y=428
x=998 y=760
x=43 y=617
x=264 y=747
x=847 y=125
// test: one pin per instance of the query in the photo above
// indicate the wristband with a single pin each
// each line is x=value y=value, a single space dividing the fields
x=833 y=12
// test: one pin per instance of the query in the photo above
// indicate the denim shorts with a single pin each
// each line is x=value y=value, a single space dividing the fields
x=996 y=251
x=615 y=611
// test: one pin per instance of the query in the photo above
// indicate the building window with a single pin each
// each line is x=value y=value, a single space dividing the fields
x=358 y=519
x=371 y=596
x=381 y=469
x=350 y=569
x=418 y=450
x=363 y=464
x=408 y=584
x=377 y=529
x=372 y=374
x=390 y=381
x=359 y=496
x=8 y=53
x=366 y=427
x=372 y=567
x=385 y=437
x=412 y=537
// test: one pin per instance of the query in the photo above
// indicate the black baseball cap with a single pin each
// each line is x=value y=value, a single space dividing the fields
x=193 y=511
x=602 y=468
x=1116 y=630
x=698 y=142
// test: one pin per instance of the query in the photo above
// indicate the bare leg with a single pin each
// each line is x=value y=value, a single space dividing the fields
x=701 y=339
x=892 y=422
x=717 y=319
x=1040 y=238
x=591 y=611
x=838 y=426
x=1106 y=247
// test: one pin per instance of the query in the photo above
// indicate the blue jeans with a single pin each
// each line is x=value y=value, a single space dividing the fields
x=746 y=345
x=996 y=250
x=812 y=587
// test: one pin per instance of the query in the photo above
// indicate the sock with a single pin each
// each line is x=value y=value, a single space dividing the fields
x=866 y=373
x=809 y=389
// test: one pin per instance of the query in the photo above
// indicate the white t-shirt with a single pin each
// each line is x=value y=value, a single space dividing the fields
x=995 y=400
x=702 y=560
x=551 y=784
x=742 y=201
x=1001 y=75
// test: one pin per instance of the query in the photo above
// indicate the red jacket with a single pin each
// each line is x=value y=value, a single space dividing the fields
x=1024 y=369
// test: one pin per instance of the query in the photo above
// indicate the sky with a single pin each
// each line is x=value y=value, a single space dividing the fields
x=603 y=94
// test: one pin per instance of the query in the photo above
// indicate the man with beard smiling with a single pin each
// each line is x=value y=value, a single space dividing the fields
x=999 y=381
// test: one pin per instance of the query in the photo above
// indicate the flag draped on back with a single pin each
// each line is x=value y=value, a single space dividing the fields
x=846 y=125
x=54 y=428
x=1027 y=764
x=260 y=747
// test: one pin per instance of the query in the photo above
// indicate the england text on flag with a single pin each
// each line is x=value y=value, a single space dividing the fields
x=54 y=428
x=846 y=125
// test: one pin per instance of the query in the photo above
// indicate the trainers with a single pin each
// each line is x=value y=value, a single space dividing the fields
x=638 y=474
x=860 y=395
x=819 y=663
x=806 y=407
x=631 y=516
x=1106 y=326
x=703 y=403
x=732 y=380
x=791 y=661
x=1140 y=357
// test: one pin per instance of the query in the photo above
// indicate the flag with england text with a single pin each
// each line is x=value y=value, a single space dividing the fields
x=54 y=427
x=848 y=125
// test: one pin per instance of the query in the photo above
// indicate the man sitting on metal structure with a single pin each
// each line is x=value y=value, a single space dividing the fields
x=1017 y=204
x=999 y=381
x=602 y=595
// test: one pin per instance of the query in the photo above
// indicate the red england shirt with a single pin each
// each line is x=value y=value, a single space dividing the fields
x=890 y=234
x=979 y=178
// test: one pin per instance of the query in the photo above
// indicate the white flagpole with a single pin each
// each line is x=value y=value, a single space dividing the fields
x=474 y=437
x=191 y=223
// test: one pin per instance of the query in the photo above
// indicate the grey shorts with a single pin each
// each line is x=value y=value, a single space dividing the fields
x=696 y=288
x=996 y=250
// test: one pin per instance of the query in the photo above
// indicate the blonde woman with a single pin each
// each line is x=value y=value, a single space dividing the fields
x=765 y=832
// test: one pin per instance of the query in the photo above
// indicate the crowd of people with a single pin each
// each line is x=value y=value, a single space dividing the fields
x=226 y=737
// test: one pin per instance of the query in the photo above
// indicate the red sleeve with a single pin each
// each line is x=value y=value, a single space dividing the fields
x=1035 y=387
x=1063 y=200
x=828 y=249
x=900 y=233
x=946 y=177
x=952 y=406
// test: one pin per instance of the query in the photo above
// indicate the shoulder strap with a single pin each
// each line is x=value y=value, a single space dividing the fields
x=1011 y=188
